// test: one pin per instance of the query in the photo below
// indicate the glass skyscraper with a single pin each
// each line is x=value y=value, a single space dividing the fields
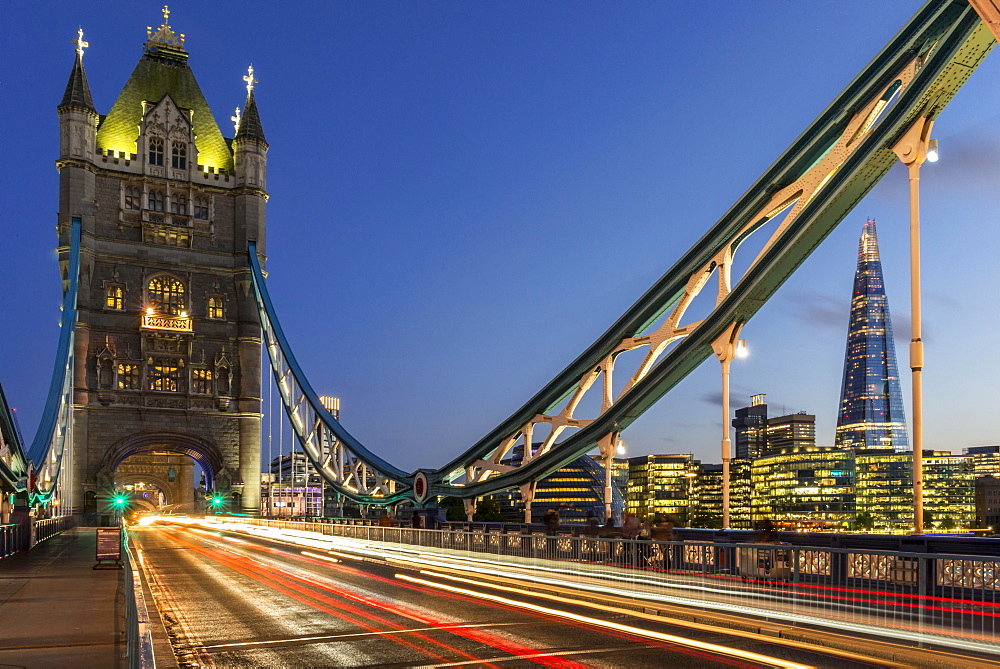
x=871 y=404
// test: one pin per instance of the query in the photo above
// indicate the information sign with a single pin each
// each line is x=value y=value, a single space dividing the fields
x=109 y=546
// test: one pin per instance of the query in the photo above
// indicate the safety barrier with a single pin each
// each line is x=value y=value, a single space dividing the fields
x=949 y=599
x=138 y=631
x=13 y=538
x=46 y=528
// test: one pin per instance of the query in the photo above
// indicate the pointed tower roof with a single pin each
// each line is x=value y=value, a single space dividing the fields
x=163 y=70
x=250 y=127
x=77 y=89
x=871 y=403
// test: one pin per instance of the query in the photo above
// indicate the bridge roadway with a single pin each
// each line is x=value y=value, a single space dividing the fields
x=236 y=600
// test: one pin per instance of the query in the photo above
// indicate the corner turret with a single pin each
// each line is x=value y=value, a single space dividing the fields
x=77 y=116
x=249 y=145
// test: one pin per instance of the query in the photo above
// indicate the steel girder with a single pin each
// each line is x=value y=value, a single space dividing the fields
x=804 y=194
x=49 y=444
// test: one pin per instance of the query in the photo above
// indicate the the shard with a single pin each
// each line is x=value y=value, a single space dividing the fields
x=871 y=404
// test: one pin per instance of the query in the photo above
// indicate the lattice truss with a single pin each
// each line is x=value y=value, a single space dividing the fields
x=345 y=467
x=789 y=202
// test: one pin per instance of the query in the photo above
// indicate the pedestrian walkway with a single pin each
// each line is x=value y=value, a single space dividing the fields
x=56 y=610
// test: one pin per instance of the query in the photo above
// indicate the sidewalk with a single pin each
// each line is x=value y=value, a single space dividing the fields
x=56 y=610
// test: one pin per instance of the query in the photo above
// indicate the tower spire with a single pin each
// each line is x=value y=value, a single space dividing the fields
x=249 y=127
x=77 y=89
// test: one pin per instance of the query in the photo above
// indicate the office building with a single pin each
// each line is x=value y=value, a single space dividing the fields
x=985 y=460
x=804 y=489
x=870 y=414
x=662 y=484
x=988 y=503
x=751 y=429
x=791 y=434
x=949 y=491
x=576 y=490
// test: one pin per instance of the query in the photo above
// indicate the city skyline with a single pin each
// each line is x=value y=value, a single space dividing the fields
x=438 y=266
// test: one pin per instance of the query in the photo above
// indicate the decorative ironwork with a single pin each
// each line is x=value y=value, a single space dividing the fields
x=974 y=574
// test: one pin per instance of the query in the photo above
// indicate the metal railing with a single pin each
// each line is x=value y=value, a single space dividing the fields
x=138 y=631
x=13 y=538
x=921 y=597
x=46 y=528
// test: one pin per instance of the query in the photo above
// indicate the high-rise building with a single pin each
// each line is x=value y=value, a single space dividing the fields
x=793 y=433
x=870 y=415
x=751 y=429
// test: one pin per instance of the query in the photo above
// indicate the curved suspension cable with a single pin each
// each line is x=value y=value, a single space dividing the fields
x=47 y=448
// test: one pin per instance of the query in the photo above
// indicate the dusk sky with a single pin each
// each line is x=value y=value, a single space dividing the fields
x=464 y=195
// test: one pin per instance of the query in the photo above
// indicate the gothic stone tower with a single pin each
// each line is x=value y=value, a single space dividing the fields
x=167 y=356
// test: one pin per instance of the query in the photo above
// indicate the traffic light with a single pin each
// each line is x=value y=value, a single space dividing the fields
x=217 y=501
x=120 y=500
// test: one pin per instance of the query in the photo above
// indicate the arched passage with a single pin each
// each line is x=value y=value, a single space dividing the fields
x=203 y=452
x=159 y=482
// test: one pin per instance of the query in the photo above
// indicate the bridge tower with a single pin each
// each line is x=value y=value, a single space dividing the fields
x=167 y=347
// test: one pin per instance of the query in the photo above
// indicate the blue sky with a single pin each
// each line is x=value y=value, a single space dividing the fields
x=465 y=195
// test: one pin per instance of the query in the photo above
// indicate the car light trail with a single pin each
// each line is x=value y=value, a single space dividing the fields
x=607 y=624
x=321 y=557
x=298 y=588
x=664 y=619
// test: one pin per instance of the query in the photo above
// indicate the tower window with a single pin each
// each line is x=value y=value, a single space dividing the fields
x=128 y=376
x=156 y=151
x=178 y=204
x=201 y=208
x=154 y=200
x=166 y=295
x=133 y=198
x=201 y=381
x=115 y=297
x=215 y=307
x=178 y=156
x=164 y=374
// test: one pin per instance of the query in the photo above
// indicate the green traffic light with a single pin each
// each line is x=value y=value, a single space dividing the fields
x=119 y=500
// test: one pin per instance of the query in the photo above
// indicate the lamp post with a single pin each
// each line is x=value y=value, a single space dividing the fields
x=609 y=459
x=912 y=150
x=727 y=347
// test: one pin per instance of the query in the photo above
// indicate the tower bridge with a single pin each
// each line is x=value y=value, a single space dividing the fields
x=169 y=333
x=162 y=248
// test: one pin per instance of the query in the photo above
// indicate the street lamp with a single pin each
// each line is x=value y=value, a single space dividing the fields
x=609 y=459
x=727 y=347
x=915 y=147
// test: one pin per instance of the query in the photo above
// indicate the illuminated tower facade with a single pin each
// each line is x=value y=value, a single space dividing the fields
x=871 y=404
x=168 y=359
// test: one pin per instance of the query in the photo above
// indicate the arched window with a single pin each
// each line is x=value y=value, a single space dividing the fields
x=156 y=151
x=133 y=198
x=201 y=208
x=115 y=298
x=215 y=307
x=178 y=156
x=178 y=204
x=154 y=200
x=166 y=295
